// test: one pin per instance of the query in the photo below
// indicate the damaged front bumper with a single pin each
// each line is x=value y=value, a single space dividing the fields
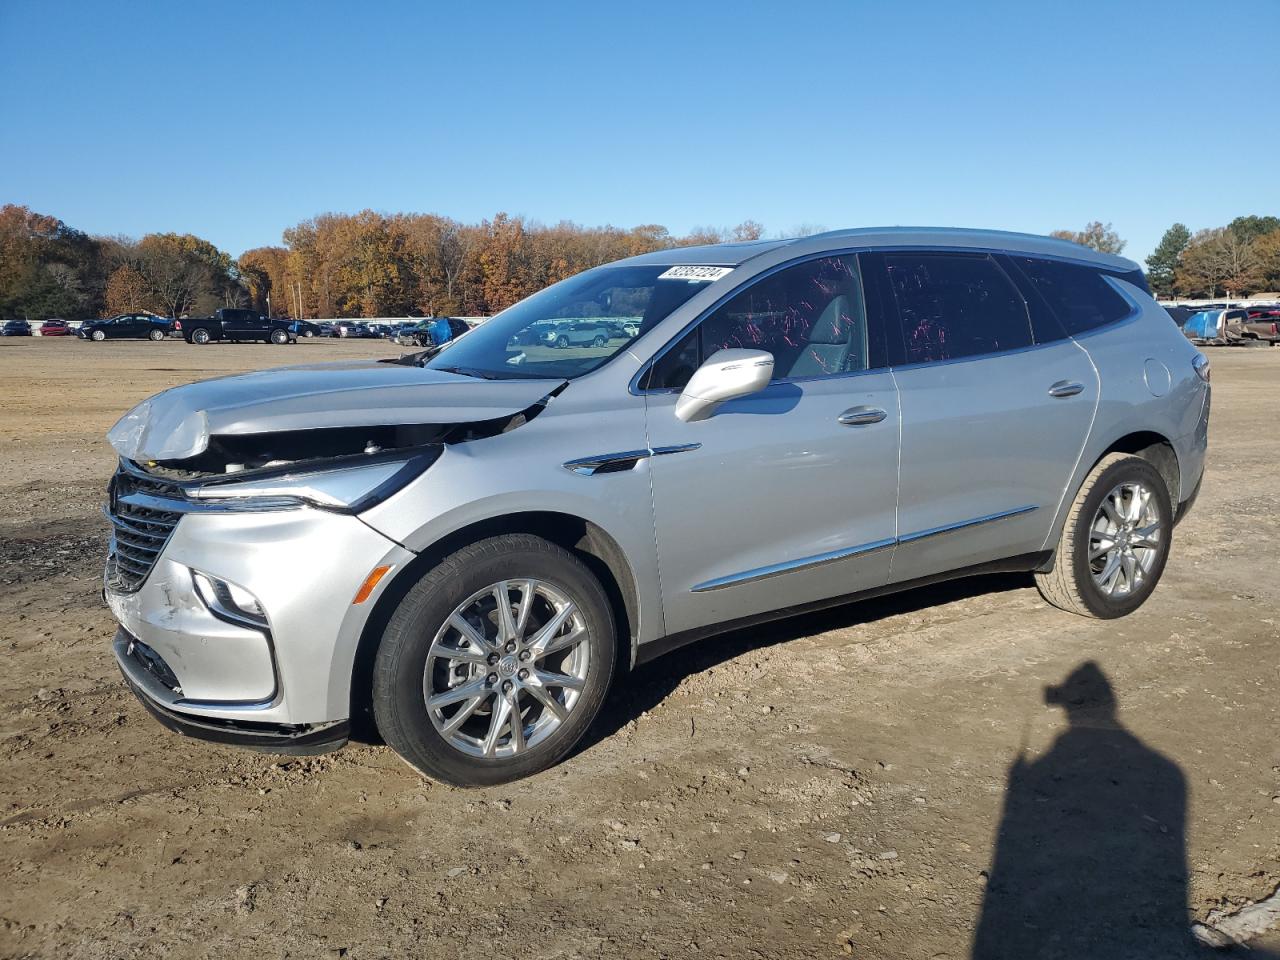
x=142 y=671
x=279 y=682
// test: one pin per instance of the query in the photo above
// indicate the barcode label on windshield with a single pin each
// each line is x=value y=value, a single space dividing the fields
x=695 y=273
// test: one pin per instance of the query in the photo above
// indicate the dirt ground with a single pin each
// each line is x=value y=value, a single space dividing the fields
x=835 y=785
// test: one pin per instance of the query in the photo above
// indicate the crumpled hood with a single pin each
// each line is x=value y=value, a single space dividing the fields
x=178 y=423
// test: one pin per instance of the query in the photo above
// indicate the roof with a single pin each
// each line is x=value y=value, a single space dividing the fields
x=735 y=254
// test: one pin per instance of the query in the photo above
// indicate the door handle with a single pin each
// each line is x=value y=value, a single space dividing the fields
x=1066 y=388
x=860 y=416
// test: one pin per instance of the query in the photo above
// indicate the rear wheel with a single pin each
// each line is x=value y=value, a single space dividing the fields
x=200 y=335
x=279 y=336
x=155 y=335
x=599 y=341
x=1115 y=541
x=495 y=662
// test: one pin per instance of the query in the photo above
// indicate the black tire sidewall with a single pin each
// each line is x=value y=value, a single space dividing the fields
x=1130 y=469
x=200 y=336
x=401 y=659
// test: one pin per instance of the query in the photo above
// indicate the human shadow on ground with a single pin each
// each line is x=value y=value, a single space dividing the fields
x=1090 y=859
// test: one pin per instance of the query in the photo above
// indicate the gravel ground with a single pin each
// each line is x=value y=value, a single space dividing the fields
x=884 y=780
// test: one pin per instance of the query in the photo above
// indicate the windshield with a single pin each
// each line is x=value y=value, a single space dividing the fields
x=570 y=328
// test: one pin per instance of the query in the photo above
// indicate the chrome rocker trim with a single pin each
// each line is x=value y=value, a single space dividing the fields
x=806 y=563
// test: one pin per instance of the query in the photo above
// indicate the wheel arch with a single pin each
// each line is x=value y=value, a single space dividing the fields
x=586 y=540
x=1156 y=449
x=1151 y=445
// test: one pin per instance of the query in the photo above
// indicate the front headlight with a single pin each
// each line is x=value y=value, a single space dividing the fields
x=345 y=489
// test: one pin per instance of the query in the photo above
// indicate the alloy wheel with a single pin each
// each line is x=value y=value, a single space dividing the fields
x=507 y=668
x=1125 y=539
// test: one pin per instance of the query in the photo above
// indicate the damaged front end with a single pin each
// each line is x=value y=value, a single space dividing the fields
x=339 y=438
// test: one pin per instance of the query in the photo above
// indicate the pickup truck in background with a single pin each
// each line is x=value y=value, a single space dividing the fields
x=233 y=324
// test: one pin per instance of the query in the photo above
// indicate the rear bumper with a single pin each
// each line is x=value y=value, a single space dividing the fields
x=144 y=670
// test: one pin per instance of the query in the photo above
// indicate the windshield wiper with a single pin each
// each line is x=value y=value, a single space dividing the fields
x=469 y=372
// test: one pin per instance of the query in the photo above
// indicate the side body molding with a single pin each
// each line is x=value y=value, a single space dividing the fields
x=625 y=460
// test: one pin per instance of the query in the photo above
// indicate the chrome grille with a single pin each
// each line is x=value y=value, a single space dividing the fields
x=139 y=532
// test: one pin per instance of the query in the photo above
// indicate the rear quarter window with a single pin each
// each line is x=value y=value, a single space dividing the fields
x=1079 y=296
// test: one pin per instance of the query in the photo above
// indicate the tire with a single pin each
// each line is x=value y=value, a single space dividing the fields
x=409 y=666
x=562 y=342
x=98 y=335
x=155 y=335
x=200 y=336
x=278 y=337
x=308 y=334
x=1073 y=583
x=599 y=341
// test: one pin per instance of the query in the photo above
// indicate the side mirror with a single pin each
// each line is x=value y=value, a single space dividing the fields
x=726 y=375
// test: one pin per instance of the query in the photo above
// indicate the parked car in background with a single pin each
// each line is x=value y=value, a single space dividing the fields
x=15 y=328
x=1261 y=324
x=327 y=330
x=350 y=329
x=493 y=535
x=126 y=326
x=55 y=328
x=1230 y=327
x=305 y=328
x=577 y=333
x=433 y=332
x=236 y=325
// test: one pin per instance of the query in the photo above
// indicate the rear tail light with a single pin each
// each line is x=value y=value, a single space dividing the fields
x=1201 y=364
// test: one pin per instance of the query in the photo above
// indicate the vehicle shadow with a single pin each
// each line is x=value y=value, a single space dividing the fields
x=1090 y=856
x=648 y=685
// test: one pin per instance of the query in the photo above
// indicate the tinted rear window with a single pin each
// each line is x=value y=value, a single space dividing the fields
x=955 y=305
x=1079 y=296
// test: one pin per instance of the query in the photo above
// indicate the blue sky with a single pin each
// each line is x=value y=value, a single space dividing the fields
x=236 y=120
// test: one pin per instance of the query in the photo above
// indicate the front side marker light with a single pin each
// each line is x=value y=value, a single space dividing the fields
x=370 y=583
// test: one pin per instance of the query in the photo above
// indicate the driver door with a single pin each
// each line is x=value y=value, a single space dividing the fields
x=787 y=496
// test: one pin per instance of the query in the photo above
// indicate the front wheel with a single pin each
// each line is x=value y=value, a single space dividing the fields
x=156 y=335
x=495 y=663
x=308 y=334
x=599 y=341
x=98 y=335
x=1115 y=541
x=562 y=342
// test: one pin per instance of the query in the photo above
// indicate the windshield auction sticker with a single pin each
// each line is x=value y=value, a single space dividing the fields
x=695 y=273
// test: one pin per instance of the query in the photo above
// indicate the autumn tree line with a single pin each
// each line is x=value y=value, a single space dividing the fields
x=372 y=264
x=335 y=265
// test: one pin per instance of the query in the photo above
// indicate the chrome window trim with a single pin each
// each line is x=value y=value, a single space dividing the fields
x=807 y=563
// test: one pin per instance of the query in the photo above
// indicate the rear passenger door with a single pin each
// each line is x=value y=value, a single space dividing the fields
x=994 y=415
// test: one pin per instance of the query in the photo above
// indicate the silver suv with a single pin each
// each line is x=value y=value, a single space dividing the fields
x=464 y=550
